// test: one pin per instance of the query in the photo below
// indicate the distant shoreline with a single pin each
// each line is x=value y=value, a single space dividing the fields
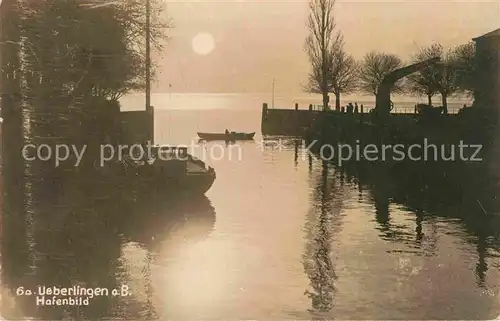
x=304 y=96
x=253 y=102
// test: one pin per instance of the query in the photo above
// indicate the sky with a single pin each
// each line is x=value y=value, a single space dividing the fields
x=256 y=41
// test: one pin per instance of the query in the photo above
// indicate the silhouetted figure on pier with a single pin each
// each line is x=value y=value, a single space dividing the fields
x=342 y=109
x=356 y=108
x=226 y=132
x=362 y=108
x=350 y=108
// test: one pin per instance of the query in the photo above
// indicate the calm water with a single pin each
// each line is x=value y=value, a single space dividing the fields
x=280 y=235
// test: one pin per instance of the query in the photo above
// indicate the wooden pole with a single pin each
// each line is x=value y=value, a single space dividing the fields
x=273 y=91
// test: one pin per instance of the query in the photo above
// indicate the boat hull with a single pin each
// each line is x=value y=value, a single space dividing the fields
x=177 y=185
x=168 y=181
x=226 y=137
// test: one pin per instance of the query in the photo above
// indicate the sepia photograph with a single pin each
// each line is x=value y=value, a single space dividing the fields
x=249 y=160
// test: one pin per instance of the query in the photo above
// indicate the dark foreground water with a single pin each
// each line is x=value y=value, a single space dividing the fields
x=280 y=235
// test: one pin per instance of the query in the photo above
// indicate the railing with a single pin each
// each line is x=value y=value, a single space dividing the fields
x=317 y=107
x=396 y=110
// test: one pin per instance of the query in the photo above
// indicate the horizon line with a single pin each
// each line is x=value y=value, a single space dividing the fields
x=299 y=95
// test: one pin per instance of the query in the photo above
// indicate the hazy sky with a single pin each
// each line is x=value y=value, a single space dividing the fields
x=256 y=41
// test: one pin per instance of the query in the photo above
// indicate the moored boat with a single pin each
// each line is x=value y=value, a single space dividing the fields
x=230 y=136
x=170 y=170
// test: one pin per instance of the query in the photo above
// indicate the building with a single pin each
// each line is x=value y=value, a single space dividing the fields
x=487 y=88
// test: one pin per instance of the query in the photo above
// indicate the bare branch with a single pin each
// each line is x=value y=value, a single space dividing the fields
x=463 y=59
x=375 y=67
x=318 y=44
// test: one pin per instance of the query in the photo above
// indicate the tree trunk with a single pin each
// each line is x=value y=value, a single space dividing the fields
x=12 y=135
x=325 y=101
x=429 y=100
x=13 y=229
x=337 y=102
x=444 y=97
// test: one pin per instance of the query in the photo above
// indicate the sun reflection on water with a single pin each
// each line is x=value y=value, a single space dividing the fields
x=199 y=275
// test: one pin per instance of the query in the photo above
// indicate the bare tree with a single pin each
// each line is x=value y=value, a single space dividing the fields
x=420 y=85
x=446 y=77
x=447 y=81
x=442 y=77
x=424 y=82
x=321 y=38
x=374 y=67
x=463 y=59
x=343 y=72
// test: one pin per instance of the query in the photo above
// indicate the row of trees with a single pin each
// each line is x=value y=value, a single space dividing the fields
x=333 y=70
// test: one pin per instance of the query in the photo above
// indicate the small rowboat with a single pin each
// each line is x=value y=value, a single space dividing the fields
x=232 y=136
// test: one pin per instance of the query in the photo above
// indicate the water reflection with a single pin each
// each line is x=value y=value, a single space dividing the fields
x=323 y=220
x=380 y=190
x=83 y=239
x=481 y=265
x=296 y=152
x=434 y=192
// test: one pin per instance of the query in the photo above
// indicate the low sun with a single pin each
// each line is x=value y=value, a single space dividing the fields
x=203 y=43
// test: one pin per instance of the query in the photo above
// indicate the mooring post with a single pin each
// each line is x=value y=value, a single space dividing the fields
x=263 y=120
